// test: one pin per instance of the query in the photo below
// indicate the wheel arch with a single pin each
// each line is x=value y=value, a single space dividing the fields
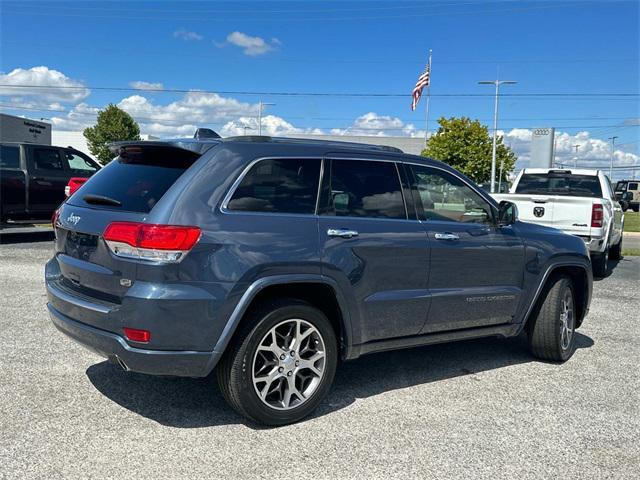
x=317 y=290
x=580 y=277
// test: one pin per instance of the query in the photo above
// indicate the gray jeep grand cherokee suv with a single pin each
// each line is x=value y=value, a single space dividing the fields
x=272 y=259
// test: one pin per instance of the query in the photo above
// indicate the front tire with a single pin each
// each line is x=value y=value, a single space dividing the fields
x=281 y=363
x=552 y=333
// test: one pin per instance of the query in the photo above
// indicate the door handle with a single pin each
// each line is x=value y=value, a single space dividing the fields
x=446 y=236
x=341 y=232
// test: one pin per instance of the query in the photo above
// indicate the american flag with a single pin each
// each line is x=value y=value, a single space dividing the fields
x=423 y=81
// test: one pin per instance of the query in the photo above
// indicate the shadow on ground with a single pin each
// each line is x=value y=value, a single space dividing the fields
x=7 y=237
x=193 y=403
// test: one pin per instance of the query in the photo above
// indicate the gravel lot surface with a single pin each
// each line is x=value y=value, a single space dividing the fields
x=477 y=409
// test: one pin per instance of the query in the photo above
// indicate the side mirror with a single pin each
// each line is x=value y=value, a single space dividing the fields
x=507 y=213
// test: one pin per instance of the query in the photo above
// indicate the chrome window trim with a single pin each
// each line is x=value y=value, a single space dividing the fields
x=490 y=200
x=382 y=160
x=224 y=207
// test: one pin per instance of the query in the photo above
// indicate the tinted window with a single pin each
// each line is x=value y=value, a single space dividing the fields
x=633 y=186
x=9 y=157
x=365 y=189
x=78 y=162
x=47 y=159
x=442 y=196
x=139 y=180
x=560 y=184
x=279 y=186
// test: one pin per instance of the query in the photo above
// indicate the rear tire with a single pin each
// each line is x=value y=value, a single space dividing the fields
x=281 y=363
x=600 y=263
x=616 y=251
x=552 y=333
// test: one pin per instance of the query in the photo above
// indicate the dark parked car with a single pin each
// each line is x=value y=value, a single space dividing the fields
x=33 y=178
x=273 y=259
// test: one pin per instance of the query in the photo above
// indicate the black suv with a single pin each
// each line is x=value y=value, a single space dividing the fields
x=272 y=259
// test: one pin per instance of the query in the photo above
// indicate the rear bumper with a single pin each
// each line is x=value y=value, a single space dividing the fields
x=595 y=244
x=114 y=347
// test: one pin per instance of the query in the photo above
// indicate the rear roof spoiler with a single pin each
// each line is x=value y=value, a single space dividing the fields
x=197 y=147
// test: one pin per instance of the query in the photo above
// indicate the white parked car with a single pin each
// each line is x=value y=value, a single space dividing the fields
x=576 y=201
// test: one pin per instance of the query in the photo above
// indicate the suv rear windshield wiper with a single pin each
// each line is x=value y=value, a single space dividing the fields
x=101 y=200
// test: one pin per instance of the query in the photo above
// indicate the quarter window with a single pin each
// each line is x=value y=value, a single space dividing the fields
x=279 y=186
x=442 y=196
x=78 y=162
x=633 y=186
x=365 y=189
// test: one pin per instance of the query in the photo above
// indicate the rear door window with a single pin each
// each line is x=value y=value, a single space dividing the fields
x=47 y=159
x=287 y=185
x=633 y=186
x=560 y=184
x=9 y=156
x=138 y=178
x=362 y=188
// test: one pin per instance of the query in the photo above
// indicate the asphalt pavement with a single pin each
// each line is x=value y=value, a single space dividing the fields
x=475 y=409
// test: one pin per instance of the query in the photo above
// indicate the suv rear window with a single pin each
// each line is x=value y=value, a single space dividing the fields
x=137 y=178
x=560 y=184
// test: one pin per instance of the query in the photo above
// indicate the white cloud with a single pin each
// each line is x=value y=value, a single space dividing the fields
x=187 y=35
x=272 y=125
x=78 y=118
x=591 y=153
x=74 y=91
x=372 y=124
x=147 y=86
x=252 y=46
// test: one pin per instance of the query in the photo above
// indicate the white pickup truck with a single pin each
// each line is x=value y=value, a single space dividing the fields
x=578 y=202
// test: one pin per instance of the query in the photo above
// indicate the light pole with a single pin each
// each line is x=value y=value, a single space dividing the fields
x=497 y=84
x=613 y=142
x=260 y=105
x=246 y=127
x=575 y=158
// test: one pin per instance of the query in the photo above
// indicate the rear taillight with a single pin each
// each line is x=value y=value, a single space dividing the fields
x=157 y=243
x=597 y=215
x=74 y=184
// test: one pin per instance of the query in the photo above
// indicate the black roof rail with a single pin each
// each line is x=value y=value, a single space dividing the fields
x=313 y=141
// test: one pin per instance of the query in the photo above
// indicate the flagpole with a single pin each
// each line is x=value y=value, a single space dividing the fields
x=426 y=107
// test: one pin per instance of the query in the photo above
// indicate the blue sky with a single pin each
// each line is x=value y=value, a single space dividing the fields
x=572 y=47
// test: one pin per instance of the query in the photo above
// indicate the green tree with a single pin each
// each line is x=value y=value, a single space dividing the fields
x=466 y=145
x=113 y=125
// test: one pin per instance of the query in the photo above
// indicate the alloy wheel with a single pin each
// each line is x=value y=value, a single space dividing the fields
x=289 y=364
x=566 y=320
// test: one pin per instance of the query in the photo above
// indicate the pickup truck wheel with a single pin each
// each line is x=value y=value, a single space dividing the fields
x=616 y=251
x=281 y=364
x=600 y=263
x=551 y=335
